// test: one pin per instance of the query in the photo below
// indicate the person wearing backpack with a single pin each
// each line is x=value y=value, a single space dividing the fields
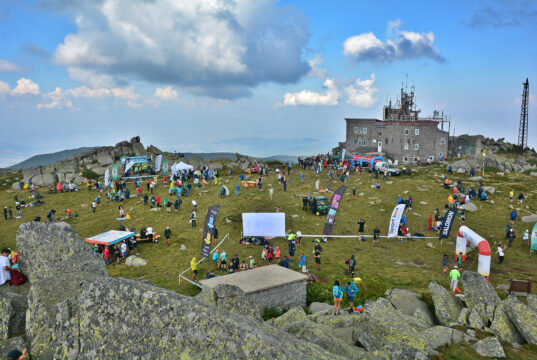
x=337 y=291
x=351 y=289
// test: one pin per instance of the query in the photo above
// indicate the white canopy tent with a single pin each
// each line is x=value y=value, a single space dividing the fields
x=184 y=167
x=263 y=224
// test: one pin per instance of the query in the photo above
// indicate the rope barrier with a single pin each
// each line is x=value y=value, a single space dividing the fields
x=369 y=236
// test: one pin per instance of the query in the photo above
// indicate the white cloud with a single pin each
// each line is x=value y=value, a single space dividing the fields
x=401 y=45
x=362 y=95
x=25 y=87
x=315 y=70
x=217 y=48
x=8 y=66
x=58 y=100
x=311 y=98
x=4 y=88
x=168 y=93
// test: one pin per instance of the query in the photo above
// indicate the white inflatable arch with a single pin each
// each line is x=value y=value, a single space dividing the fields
x=465 y=235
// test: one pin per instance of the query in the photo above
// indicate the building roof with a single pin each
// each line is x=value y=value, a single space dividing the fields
x=359 y=119
x=261 y=278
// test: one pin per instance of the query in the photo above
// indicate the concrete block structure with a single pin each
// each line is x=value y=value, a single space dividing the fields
x=270 y=286
x=401 y=135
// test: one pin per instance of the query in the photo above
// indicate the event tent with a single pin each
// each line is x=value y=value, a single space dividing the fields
x=263 y=224
x=184 y=166
x=110 y=237
x=366 y=160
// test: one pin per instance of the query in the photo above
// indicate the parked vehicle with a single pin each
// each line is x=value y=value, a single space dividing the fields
x=319 y=205
x=392 y=170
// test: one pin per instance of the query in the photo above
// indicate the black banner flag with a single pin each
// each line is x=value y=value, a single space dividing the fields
x=334 y=205
x=447 y=224
x=208 y=231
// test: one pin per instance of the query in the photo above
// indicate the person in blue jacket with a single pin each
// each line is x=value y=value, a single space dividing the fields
x=351 y=289
x=337 y=291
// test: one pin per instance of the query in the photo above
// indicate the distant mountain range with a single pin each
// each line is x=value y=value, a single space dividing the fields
x=47 y=159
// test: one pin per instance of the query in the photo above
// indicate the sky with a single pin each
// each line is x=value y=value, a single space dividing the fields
x=260 y=77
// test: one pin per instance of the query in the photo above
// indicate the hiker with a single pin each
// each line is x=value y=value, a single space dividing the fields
x=500 y=253
x=511 y=237
x=93 y=206
x=193 y=218
x=459 y=260
x=237 y=189
x=526 y=238
x=215 y=258
x=252 y=262
x=50 y=215
x=351 y=289
x=445 y=263
x=193 y=267
x=317 y=256
x=305 y=203
x=337 y=291
x=121 y=212
x=521 y=197
x=455 y=276
x=271 y=191
x=302 y=261
x=149 y=232
x=512 y=217
x=168 y=234
x=352 y=263
x=376 y=236
x=361 y=224
x=299 y=238
x=223 y=261
x=354 y=192
x=277 y=254
x=145 y=199
x=511 y=196
x=5 y=212
x=222 y=192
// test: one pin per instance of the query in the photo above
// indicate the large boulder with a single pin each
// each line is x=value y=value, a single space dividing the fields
x=489 y=347
x=147 y=322
x=446 y=306
x=469 y=206
x=503 y=327
x=230 y=298
x=316 y=307
x=408 y=303
x=530 y=218
x=49 y=249
x=105 y=158
x=134 y=260
x=475 y=321
x=489 y=189
x=382 y=324
x=12 y=314
x=524 y=318
x=441 y=336
x=480 y=295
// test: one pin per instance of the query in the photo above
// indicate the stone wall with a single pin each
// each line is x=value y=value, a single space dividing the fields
x=280 y=297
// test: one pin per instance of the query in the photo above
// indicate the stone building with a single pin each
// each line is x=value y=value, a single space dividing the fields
x=401 y=134
x=270 y=286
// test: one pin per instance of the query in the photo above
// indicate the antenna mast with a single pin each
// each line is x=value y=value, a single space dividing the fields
x=523 y=130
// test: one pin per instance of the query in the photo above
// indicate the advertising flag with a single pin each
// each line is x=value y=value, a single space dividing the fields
x=165 y=168
x=106 y=177
x=158 y=162
x=334 y=205
x=114 y=172
x=208 y=230
x=343 y=155
x=533 y=244
x=447 y=224
x=395 y=220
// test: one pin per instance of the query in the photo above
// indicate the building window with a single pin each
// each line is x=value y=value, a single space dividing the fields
x=365 y=142
x=355 y=141
x=380 y=133
x=416 y=131
x=416 y=146
x=386 y=140
x=364 y=131
x=407 y=132
x=357 y=130
x=406 y=146
x=405 y=159
x=442 y=140
x=431 y=158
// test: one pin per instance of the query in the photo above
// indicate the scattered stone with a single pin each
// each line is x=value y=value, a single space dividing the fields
x=489 y=347
x=362 y=194
x=183 y=247
x=504 y=287
x=416 y=214
x=409 y=263
x=533 y=173
x=492 y=201
x=530 y=218
x=424 y=203
x=294 y=216
x=371 y=203
x=489 y=189
x=430 y=245
x=389 y=182
x=134 y=260
x=405 y=192
x=316 y=307
x=382 y=210
x=476 y=178
x=500 y=173
x=16 y=186
x=228 y=221
x=447 y=307
x=470 y=207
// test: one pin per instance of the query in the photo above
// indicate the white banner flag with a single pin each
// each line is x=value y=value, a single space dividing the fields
x=174 y=169
x=395 y=220
x=106 y=177
x=343 y=155
x=128 y=165
x=158 y=162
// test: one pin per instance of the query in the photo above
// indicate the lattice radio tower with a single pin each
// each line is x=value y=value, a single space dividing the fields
x=523 y=130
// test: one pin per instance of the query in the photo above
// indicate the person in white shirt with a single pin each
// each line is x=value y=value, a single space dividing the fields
x=124 y=250
x=500 y=253
x=5 y=273
x=150 y=233
x=526 y=238
x=299 y=237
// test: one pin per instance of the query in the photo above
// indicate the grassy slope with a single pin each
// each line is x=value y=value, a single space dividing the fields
x=376 y=266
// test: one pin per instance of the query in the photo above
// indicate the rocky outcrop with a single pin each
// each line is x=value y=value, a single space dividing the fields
x=523 y=317
x=47 y=250
x=480 y=296
x=446 y=306
x=503 y=327
x=502 y=163
x=74 y=307
x=489 y=347
x=408 y=303
x=242 y=161
x=316 y=307
x=18 y=342
x=12 y=315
